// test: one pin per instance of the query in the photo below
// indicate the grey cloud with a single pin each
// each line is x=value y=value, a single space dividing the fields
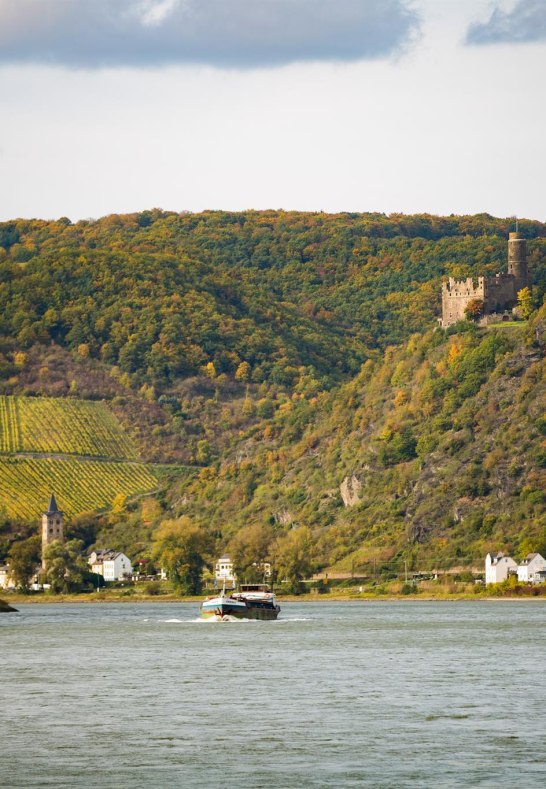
x=526 y=22
x=223 y=33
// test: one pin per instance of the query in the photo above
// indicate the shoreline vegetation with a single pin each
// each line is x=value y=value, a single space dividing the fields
x=503 y=591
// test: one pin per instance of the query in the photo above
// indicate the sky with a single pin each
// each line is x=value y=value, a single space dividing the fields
x=397 y=106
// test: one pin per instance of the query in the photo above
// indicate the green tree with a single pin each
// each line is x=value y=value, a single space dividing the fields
x=66 y=568
x=180 y=547
x=398 y=447
x=203 y=451
x=23 y=558
x=248 y=549
x=293 y=560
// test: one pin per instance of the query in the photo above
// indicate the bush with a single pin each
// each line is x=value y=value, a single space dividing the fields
x=399 y=448
x=408 y=588
x=152 y=589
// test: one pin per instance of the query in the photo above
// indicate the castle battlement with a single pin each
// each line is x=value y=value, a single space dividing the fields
x=462 y=287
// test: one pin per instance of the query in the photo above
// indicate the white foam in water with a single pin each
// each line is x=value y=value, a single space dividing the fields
x=220 y=619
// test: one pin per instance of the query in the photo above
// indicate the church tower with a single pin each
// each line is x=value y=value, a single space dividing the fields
x=517 y=260
x=52 y=526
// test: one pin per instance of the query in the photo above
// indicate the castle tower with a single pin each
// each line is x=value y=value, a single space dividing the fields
x=52 y=526
x=517 y=260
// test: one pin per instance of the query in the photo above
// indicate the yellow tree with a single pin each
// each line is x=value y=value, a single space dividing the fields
x=210 y=370
x=181 y=547
x=525 y=303
x=243 y=372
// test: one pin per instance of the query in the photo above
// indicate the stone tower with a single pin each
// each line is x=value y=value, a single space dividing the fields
x=517 y=260
x=52 y=526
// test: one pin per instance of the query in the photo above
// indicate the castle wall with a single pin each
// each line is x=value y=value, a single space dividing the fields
x=500 y=293
x=455 y=297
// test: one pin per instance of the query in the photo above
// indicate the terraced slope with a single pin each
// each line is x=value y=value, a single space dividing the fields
x=9 y=427
x=84 y=456
x=81 y=486
x=62 y=426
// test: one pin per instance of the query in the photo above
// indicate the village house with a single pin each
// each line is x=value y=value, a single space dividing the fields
x=498 y=567
x=112 y=565
x=224 y=572
x=532 y=569
x=5 y=580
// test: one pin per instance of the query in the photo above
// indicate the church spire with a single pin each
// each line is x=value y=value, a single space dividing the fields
x=52 y=505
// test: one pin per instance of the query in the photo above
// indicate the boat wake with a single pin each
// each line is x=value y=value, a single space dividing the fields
x=226 y=618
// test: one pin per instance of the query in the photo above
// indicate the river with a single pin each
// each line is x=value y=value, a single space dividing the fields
x=363 y=694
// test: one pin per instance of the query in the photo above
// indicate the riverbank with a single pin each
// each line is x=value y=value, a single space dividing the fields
x=118 y=596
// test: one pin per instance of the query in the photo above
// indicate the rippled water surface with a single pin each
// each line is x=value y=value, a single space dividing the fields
x=372 y=694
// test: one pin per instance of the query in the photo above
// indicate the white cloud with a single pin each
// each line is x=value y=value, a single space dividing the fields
x=526 y=22
x=156 y=12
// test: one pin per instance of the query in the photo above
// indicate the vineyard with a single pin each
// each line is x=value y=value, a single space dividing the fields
x=61 y=427
x=9 y=428
x=81 y=486
x=69 y=427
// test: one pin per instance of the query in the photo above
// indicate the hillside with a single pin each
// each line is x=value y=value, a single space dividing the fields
x=37 y=436
x=288 y=367
x=161 y=295
x=436 y=454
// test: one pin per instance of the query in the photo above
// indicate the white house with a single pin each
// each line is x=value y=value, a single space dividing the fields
x=224 y=572
x=498 y=567
x=5 y=580
x=112 y=565
x=531 y=568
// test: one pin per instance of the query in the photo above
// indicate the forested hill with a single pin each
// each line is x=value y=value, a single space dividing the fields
x=437 y=452
x=161 y=295
x=285 y=373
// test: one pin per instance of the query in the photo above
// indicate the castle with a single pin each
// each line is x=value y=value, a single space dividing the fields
x=497 y=294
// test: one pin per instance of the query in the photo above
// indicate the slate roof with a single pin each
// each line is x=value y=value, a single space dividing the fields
x=53 y=509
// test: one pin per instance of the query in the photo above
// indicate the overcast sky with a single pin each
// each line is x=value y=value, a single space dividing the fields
x=336 y=105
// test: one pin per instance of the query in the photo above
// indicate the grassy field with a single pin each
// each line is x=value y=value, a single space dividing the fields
x=62 y=426
x=80 y=486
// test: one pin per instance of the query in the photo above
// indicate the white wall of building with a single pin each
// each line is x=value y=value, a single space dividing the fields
x=224 y=570
x=112 y=566
x=497 y=568
x=530 y=566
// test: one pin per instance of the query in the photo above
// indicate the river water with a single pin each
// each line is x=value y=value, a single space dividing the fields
x=364 y=694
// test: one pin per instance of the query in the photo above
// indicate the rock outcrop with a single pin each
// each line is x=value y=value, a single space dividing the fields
x=350 y=491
